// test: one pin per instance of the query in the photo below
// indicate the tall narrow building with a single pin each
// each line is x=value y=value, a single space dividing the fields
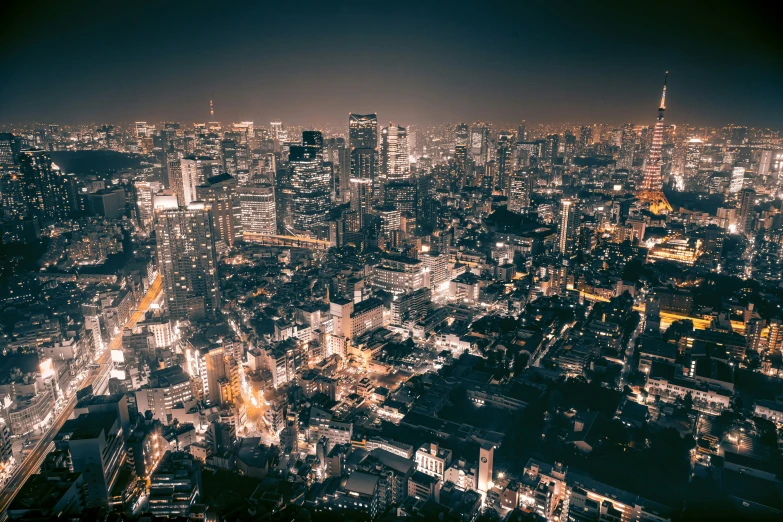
x=339 y=156
x=747 y=200
x=187 y=259
x=395 y=162
x=363 y=131
x=190 y=177
x=10 y=146
x=44 y=187
x=652 y=184
x=519 y=191
x=257 y=203
x=220 y=192
x=570 y=219
x=364 y=164
x=311 y=186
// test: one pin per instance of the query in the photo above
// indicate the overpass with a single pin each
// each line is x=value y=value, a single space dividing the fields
x=289 y=241
x=667 y=318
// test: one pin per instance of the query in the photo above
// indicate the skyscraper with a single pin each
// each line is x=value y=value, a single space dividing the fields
x=627 y=147
x=277 y=131
x=363 y=131
x=338 y=154
x=737 y=179
x=363 y=172
x=462 y=135
x=463 y=166
x=552 y=148
x=479 y=143
x=257 y=203
x=569 y=226
x=521 y=133
x=503 y=163
x=402 y=196
x=145 y=192
x=45 y=190
x=313 y=138
x=652 y=184
x=519 y=191
x=187 y=259
x=395 y=162
x=310 y=183
x=228 y=150
x=585 y=138
x=692 y=157
x=220 y=193
x=10 y=147
x=191 y=173
x=747 y=201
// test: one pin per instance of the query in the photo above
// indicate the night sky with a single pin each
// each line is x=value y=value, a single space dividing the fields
x=411 y=62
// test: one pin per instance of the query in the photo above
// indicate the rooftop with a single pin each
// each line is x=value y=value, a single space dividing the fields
x=362 y=483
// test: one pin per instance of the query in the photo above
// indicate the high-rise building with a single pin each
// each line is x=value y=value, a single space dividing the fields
x=187 y=259
x=395 y=161
x=765 y=160
x=462 y=135
x=504 y=163
x=339 y=156
x=486 y=458
x=652 y=185
x=747 y=201
x=277 y=131
x=585 y=139
x=519 y=191
x=437 y=264
x=10 y=146
x=145 y=191
x=45 y=190
x=479 y=143
x=737 y=179
x=175 y=485
x=693 y=151
x=463 y=166
x=190 y=177
x=6 y=445
x=569 y=226
x=310 y=183
x=141 y=129
x=257 y=204
x=363 y=131
x=521 y=133
x=401 y=195
x=775 y=335
x=173 y=171
x=399 y=275
x=569 y=146
x=552 y=148
x=228 y=151
x=96 y=446
x=220 y=193
x=364 y=164
x=627 y=147
x=313 y=138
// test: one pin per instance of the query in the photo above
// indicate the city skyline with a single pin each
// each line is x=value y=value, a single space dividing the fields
x=405 y=261
x=411 y=64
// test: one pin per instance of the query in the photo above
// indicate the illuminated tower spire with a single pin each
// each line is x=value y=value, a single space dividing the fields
x=652 y=184
x=663 y=95
x=212 y=111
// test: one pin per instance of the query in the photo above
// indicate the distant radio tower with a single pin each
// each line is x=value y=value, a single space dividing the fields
x=211 y=111
x=652 y=185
